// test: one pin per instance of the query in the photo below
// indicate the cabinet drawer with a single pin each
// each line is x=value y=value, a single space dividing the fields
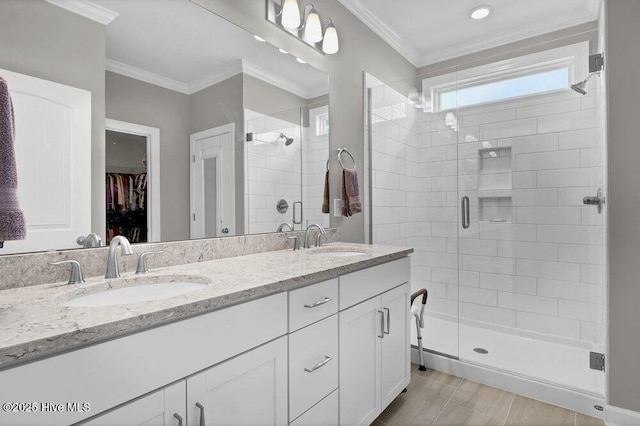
x=313 y=348
x=324 y=413
x=367 y=283
x=312 y=303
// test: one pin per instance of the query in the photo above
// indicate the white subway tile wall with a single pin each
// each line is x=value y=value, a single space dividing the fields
x=542 y=270
x=276 y=171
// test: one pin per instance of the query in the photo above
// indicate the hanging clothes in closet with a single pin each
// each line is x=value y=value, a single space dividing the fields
x=126 y=200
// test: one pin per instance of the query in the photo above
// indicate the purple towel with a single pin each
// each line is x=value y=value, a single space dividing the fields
x=12 y=223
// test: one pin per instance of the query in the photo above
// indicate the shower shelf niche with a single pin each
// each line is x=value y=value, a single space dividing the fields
x=494 y=185
x=495 y=209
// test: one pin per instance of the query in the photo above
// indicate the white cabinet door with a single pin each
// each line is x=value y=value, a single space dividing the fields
x=374 y=355
x=250 y=389
x=162 y=408
x=395 y=345
x=360 y=339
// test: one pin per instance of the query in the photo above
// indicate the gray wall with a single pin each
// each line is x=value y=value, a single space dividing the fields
x=218 y=105
x=124 y=151
x=360 y=50
x=45 y=41
x=266 y=98
x=138 y=102
x=622 y=62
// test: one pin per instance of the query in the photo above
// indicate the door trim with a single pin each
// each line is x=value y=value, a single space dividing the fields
x=153 y=169
x=214 y=131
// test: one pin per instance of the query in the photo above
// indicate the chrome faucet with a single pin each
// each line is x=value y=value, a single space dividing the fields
x=283 y=225
x=112 y=260
x=91 y=240
x=306 y=235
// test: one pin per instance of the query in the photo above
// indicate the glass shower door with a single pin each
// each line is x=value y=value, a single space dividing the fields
x=531 y=254
x=412 y=177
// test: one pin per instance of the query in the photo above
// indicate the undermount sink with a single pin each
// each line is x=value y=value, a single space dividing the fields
x=136 y=292
x=336 y=252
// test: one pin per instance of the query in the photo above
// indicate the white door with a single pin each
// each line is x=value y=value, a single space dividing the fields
x=360 y=339
x=250 y=389
x=212 y=183
x=164 y=407
x=53 y=155
x=396 y=355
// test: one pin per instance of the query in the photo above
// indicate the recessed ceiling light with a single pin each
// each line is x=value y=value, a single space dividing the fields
x=301 y=61
x=283 y=51
x=258 y=38
x=480 y=12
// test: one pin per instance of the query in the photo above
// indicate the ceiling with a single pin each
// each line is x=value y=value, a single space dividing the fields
x=429 y=31
x=181 y=46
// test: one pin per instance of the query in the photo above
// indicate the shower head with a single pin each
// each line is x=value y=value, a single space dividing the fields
x=580 y=87
x=287 y=141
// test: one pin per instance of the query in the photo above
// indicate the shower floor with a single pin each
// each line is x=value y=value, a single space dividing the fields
x=552 y=362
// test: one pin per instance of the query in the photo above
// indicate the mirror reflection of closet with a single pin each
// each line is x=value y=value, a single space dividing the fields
x=126 y=186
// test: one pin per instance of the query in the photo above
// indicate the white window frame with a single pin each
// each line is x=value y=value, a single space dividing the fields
x=575 y=57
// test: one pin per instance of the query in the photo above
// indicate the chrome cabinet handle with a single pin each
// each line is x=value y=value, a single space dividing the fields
x=319 y=302
x=201 y=407
x=318 y=365
x=465 y=212
x=388 y=321
x=381 y=335
x=178 y=417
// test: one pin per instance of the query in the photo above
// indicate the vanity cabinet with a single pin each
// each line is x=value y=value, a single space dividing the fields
x=374 y=340
x=250 y=389
x=313 y=352
x=164 y=407
x=334 y=352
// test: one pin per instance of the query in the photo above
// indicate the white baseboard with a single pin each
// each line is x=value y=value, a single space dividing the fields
x=541 y=391
x=616 y=416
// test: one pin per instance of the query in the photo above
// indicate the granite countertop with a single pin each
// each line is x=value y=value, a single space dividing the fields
x=36 y=324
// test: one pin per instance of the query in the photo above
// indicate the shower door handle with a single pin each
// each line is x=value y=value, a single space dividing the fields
x=465 y=212
x=295 y=213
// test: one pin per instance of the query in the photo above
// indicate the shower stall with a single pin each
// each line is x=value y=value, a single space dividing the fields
x=483 y=169
x=285 y=157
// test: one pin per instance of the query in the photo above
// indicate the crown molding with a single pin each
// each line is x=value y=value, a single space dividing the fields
x=87 y=9
x=382 y=30
x=411 y=54
x=229 y=71
x=264 y=75
x=489 y=43
x=146 y=76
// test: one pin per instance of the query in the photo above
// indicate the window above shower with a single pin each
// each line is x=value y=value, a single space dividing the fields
x=523 y=77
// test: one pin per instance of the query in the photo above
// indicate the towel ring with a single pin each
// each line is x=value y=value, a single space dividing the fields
x=344 y=150
x=327 y=164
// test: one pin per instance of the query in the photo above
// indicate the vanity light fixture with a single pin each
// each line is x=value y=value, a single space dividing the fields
x=301 y=61
x=290 y=14
x=283 y=51
x=260 y=39
x=309 y=26
x=480 y=12
x=330 y=44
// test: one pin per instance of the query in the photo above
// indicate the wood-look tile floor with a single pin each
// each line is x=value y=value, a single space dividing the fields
x=438 y=399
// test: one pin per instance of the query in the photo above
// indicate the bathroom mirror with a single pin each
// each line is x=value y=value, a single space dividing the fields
x=185 y=71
